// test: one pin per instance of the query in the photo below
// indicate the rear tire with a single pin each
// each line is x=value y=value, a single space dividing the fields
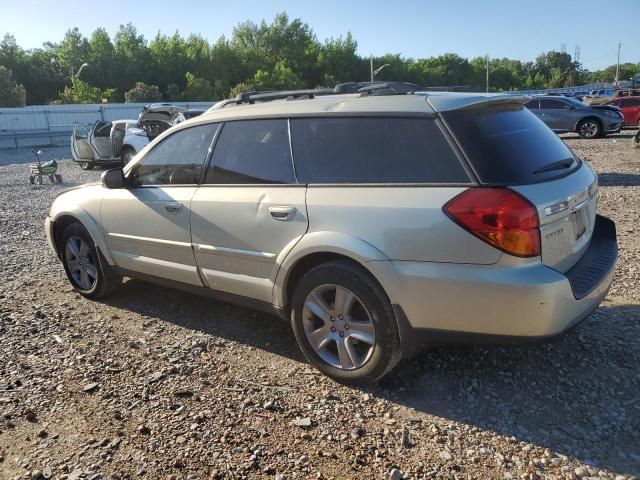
x=58 y=178
x=355 y=344
x=32 y=180
x=86 y=268
x=589 y=128
x=86 y=165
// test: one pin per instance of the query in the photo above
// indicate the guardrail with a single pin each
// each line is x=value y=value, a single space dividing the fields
x=40 y=125
x=15 y=137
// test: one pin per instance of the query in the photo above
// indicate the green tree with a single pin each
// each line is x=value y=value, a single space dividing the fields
x=132 y=59
x=11 y=93
x=198 y=89
x=80 y=92
x=102 y=70
x=142 y=93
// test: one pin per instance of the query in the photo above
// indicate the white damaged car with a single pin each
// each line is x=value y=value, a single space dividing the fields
x=118 y=141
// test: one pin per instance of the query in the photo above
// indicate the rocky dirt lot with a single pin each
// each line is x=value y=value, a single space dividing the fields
x=155 y=383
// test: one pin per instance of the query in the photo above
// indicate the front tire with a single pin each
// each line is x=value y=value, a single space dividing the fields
x=344 y=323
x=86 y=269
x=589 y=128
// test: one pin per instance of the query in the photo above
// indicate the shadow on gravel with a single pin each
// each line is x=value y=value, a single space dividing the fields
x=613 y=179
x=578 y=395
x=242 y=325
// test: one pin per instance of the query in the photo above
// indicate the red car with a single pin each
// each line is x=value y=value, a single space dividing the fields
x=630 y=109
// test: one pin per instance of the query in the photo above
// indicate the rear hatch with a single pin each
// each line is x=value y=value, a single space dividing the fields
x=508 y=146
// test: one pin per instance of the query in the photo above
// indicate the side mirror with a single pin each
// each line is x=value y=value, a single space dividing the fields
x=113 y=178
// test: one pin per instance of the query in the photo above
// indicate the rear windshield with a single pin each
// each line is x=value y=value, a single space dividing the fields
x=509 y=145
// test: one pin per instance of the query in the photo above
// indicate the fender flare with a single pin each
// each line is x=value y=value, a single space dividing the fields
x=329 y=242
x=94 y=229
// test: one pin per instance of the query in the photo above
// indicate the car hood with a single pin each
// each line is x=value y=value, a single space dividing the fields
x=159 y=112
x=613 y=108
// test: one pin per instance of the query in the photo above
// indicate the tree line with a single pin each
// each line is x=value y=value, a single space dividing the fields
x=283 y=54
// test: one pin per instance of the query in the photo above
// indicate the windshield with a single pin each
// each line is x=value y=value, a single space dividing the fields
x=509 y=145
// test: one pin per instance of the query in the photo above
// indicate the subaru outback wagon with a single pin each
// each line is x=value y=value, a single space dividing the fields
x=375 y=223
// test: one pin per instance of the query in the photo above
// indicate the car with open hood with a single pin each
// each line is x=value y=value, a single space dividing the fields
x=564 y=114
x=116 y=142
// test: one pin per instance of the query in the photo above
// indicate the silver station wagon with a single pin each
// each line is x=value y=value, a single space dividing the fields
x=376 y=222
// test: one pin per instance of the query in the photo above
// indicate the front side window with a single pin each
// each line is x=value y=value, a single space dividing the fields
x=252 y=152
x=177 y=160
x=373 y=150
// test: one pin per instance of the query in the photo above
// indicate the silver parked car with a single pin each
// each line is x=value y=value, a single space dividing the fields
x=564 y=114
x=375 y=223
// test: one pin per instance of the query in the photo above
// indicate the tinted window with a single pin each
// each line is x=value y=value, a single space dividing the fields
x=507 y=143
x=550 y=104
x=533 y=104
x=252 y=151
x=178 y=159
x=373 y=150
x=631 y=102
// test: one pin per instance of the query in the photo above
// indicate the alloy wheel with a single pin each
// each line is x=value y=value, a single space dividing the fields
x=338 y=326
x=589 y=129
x=80 y=262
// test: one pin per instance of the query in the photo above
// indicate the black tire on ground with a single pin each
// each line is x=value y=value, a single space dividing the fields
x=589 y=128
x=386 y=351
x=126 y=154
x=32 y=179
x=52 y=178
x=107 y=280
x=58 y=178
x=38 y=180
x=86 y=165
x=636 y=139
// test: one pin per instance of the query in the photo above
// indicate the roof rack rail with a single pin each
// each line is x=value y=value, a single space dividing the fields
x=378 y=88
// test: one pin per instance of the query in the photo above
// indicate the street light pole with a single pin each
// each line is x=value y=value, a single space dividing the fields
x=487 y=60
x=371 y=65
x=618 y=64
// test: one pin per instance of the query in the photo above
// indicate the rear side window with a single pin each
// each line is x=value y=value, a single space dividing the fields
x=252 y=151
x=509 y=145
x=533 y=104
x=550 y=104
x=373 y=150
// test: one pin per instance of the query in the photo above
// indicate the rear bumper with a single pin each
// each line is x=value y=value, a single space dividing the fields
x=491 y=303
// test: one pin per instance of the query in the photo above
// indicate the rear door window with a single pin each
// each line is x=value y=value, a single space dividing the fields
x=252 y=152
x=509 y=145
x=373 y=150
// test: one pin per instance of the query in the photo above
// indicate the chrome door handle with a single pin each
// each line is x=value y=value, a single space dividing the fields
x=173 y=207
x=282 y=213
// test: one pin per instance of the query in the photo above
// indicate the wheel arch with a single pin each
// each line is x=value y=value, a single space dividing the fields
x=64 y=219
x=315 y=249
x=588 y=117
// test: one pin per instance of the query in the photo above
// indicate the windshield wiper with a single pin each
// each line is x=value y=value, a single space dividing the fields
x=559 y=165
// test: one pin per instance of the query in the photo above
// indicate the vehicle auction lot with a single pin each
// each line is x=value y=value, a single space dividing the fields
x=156 y=383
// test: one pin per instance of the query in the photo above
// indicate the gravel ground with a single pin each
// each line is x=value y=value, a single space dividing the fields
x=155 y=383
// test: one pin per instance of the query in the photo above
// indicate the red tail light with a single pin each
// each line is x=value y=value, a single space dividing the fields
x=500 y=217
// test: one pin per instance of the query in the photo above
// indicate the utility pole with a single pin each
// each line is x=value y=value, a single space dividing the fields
x=487 y=60
x=618 y=64
x=371 y=64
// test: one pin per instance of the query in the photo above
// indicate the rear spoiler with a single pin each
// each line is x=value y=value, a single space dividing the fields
x=440 y=103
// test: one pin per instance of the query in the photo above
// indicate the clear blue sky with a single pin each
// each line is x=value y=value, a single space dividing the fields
x=500 y=28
